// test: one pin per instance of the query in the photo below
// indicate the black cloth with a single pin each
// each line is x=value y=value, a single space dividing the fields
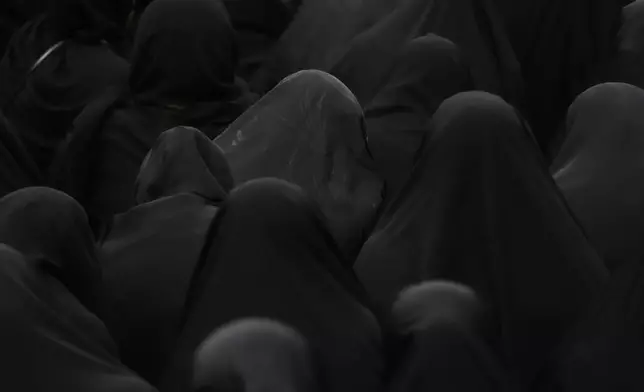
x=47 y=224
x=310 y=130
x=562 y=47
x=428 y=70
x=274 y=258
x=17 y=168
x=175 y=80
x=599 y=169
x=41 y=104
x=259 y=354
x=49 y=340
x=153 y=251
x=481 y=209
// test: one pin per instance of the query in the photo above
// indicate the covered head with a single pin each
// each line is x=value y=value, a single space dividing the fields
x=184 y=160
x=48 y=225
x=185 y=52
x=254 y=355
x=310 y=130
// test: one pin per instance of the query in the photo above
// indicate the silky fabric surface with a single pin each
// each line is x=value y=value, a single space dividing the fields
x=605 y=351
x=47 y=224
x=273 y=258
x=259 y=354
x=176 y=80
x=42 y=104
x=481 y=209
x=562 y=47
x=309 y=130
x=428 y=70
x=49 y=340
x=600 y=166
x=184 y=160
x=17 y=168
x=153 y=252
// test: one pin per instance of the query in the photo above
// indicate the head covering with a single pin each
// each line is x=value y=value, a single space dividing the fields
x=309 y=130
x=262 y=355
x=599 y=169
x=47 y=224
x=185 y=53
x=273 y=258
x=419 y=306
x=154 y=251
x=428 y=70
x=481 y=209
x=182 y=160
x=49 y=340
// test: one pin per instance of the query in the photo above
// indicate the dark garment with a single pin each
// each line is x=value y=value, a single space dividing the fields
x=481 y=209
x=561 y=46
x=274 y=258
x=476 y=27
x=256 y=354
x=50 y=342
x=47 y=224
x=318 y=37
x=175 y=80
x=155 y=250
x=605 y=351
x=258 y=24
x=17 y=169
x=41 y=104
x=443 y=357
x=309 y=130
x=630 y=59
x=428 y=70
x=599 y=169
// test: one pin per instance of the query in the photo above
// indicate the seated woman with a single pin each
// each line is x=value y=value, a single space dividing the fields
x=445 y=348
x=600 y=166
x=153 y=252
x=51 y=340
x=428 y=71
x=175 y=80
x=56 y=64
x=310 y=130
x=481 y=209
x=274 y=258
x=254 y=355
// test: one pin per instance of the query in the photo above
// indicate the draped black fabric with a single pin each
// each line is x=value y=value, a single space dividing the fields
x=599 y=169
x=476 y=27
x=17 y=168
x=630 y=59
x=481 y=209
x=428 y=70
x=258 y=354
x=49 y=340
x=273 y=258
x=47 y=224
x=310 y=130
x=13 y=14
x=562 y=46
x=605 y=351
x=154 y=250
x=42 y=103
x=176 y=79
x=258 y=24
x=184 y=160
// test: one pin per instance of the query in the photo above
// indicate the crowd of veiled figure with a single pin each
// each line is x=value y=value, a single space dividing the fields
x=323 y=196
